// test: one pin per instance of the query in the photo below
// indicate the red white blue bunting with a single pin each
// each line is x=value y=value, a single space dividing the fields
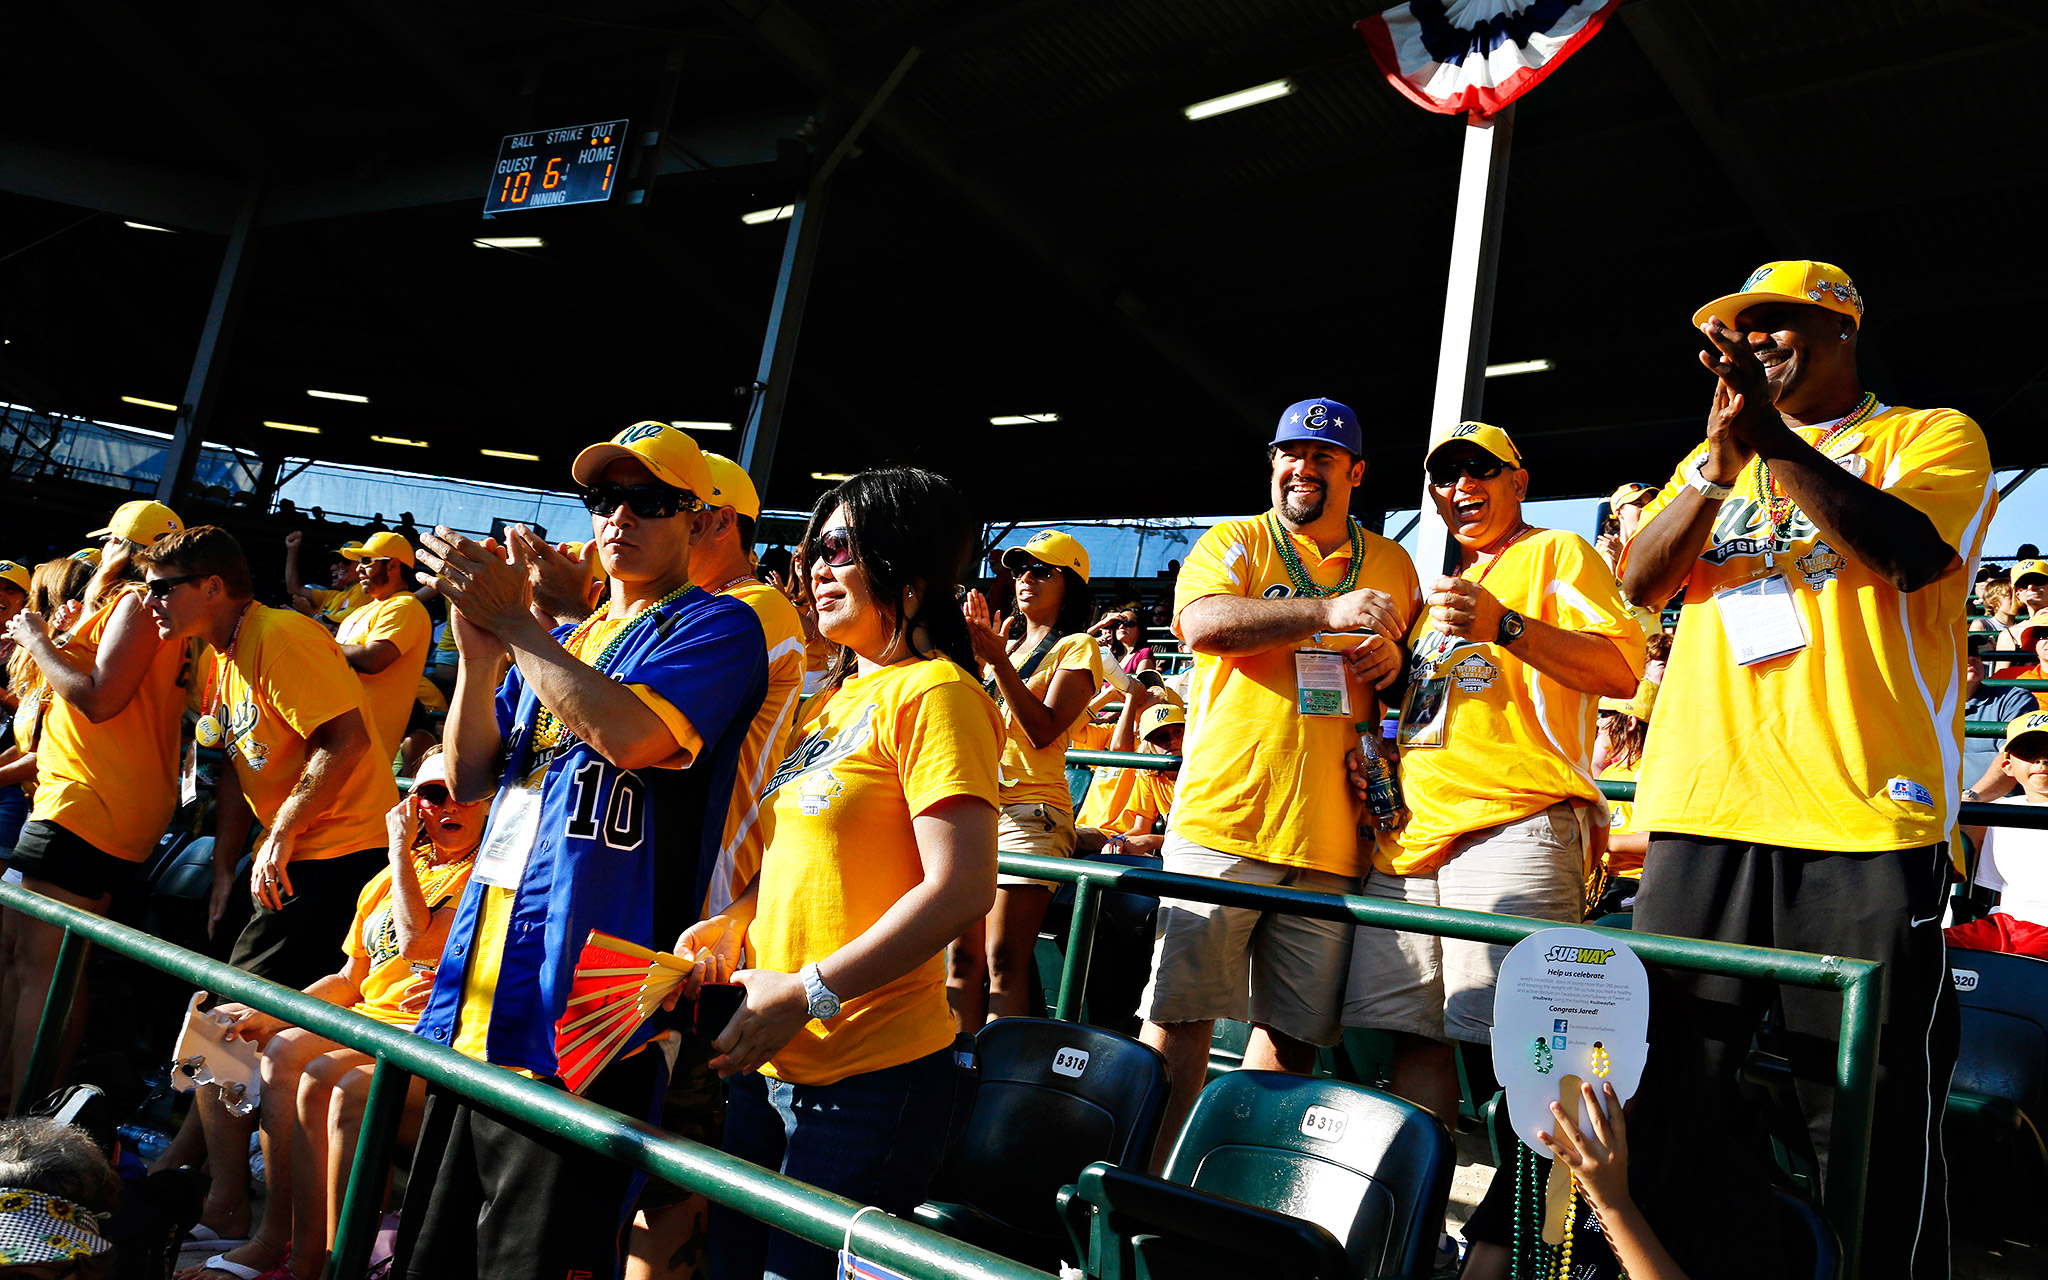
x=1455 y=56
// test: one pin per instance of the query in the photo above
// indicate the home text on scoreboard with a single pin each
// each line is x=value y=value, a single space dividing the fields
x=549 y=167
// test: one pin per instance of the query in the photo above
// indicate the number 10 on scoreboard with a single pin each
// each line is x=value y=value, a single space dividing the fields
x=550 y=167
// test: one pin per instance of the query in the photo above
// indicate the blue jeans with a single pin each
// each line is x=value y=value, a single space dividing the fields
x=877 y=1138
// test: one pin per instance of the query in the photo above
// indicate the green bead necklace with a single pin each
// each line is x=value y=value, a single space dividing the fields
x=1297 y=573
x=545 y=722
x=1779 y=506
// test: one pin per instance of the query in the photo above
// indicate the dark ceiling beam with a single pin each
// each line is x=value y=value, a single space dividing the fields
x=949 y=28
x=1668 y=36
x=161 y=197
x=168 y=67
x=813 y=57
x=1339 y=49
x=1886 y=54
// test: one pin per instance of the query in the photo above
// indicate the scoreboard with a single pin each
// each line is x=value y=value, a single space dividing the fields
x=550 y=167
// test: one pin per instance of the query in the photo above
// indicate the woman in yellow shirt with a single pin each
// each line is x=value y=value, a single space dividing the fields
x=314 y=1091
x=883 y=851
x=1042 y=667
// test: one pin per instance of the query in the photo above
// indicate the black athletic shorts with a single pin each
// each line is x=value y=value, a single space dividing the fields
x=49 y=853
x=302 y=940
x=490 y=1198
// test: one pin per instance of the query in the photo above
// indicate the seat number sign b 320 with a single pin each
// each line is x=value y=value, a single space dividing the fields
x=549 y=167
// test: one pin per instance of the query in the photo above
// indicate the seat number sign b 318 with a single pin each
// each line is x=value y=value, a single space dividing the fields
x=549 y=167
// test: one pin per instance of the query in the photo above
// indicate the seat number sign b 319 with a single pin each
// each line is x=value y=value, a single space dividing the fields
x=549 y=167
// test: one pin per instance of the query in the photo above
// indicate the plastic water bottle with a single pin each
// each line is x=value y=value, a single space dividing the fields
x=1383 y=799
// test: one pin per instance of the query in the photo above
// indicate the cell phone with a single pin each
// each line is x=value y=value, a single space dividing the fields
x=716 y=1003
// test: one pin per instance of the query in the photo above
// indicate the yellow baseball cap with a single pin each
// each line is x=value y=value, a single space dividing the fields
x=1815 y=284
x=1639 y=706
x=2032 y=722
x=2028 y=568
x=1063 y=550
x=671 y=455
x=1630 y=492
x=91 y=555
x=732 y=486
x=1156 y=718
x=1487 y=437
x=380 y=546
x=141 y=521
x=15 y=573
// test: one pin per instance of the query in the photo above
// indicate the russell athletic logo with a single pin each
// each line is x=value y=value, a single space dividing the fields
x=1577 y=955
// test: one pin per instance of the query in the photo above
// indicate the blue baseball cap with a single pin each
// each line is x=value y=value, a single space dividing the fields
x=1329 y=421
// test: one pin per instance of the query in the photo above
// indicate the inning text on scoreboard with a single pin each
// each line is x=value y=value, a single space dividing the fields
x=549 y=167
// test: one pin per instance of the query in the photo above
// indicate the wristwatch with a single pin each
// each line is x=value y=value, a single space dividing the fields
x=1695 y=478
x=1510 y=629
x=824 y=1006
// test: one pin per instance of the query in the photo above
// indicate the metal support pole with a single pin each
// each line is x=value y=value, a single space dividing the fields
x=202 y=388
x=778 y=348
x=55 y=1024
x=1080 y=951
x=1468 y=308
x=1855 y=1111
x=361 y=1207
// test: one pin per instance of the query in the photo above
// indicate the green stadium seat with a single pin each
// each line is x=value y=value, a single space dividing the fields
x=1998 y=1099
x=1370 y=1169
x=1079 y=777
x=1127 y=1226
x=1054 y=1097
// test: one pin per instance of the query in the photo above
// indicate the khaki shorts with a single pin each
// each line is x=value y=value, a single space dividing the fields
x=1034 y=828
x=1279 y=971
x=1442 y=988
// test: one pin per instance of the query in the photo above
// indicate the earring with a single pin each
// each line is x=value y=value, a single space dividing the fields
x=1842 y=337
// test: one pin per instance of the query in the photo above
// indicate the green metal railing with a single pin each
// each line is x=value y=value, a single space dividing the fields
x=1861 y=982
x=781 y=1202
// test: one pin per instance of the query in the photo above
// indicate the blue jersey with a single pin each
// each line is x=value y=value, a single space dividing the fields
x=629 y=852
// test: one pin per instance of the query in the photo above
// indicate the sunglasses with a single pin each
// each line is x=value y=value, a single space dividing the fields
x=161 y=588
x=1444 y=472
x=648 y=501
x=833 y=546
x=433 y=793
x=1038 y=569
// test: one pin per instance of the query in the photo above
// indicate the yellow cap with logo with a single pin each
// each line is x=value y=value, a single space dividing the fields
x=2032 y=722
x=1639 y=706
x=380 y=546
x=1485 y=435
x=91 y=555
x=731 y=486
x=670 y=454
x=141 y=521
x=1156 y=718
x=15 y=573
x=1815 y=284
x=1062 y=550
x=2028 y=569
x=1633 y=491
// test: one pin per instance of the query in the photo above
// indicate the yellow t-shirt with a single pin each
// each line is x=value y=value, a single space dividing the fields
x=1090 y=736
x=373 y=935
x=487 y=953
x=333 y=607
x=402 y=620
x=1621 y=821
x=1038 y=775
x=747 y=822
x=1261 y=780
x=1516 y=741
x=282 y=678
x=1854 y=743
x=114 y=784
x=875 y=753
x=1126 y=802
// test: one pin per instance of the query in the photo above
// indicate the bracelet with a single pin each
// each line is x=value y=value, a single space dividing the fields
x=1695 y=478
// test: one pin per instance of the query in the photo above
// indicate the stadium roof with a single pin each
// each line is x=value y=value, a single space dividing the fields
x=1028 y=225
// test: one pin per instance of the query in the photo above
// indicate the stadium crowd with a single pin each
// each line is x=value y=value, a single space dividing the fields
x=798 y=782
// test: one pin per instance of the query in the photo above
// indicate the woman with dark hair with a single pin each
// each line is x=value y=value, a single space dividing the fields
x=1041 y=666
x=882 y=852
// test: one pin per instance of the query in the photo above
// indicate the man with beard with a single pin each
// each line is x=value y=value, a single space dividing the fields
x=1277 y=609
x=1825 y=540
x=386 y=640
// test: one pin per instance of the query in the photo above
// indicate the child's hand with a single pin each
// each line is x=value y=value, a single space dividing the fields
x=1598 y=1158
